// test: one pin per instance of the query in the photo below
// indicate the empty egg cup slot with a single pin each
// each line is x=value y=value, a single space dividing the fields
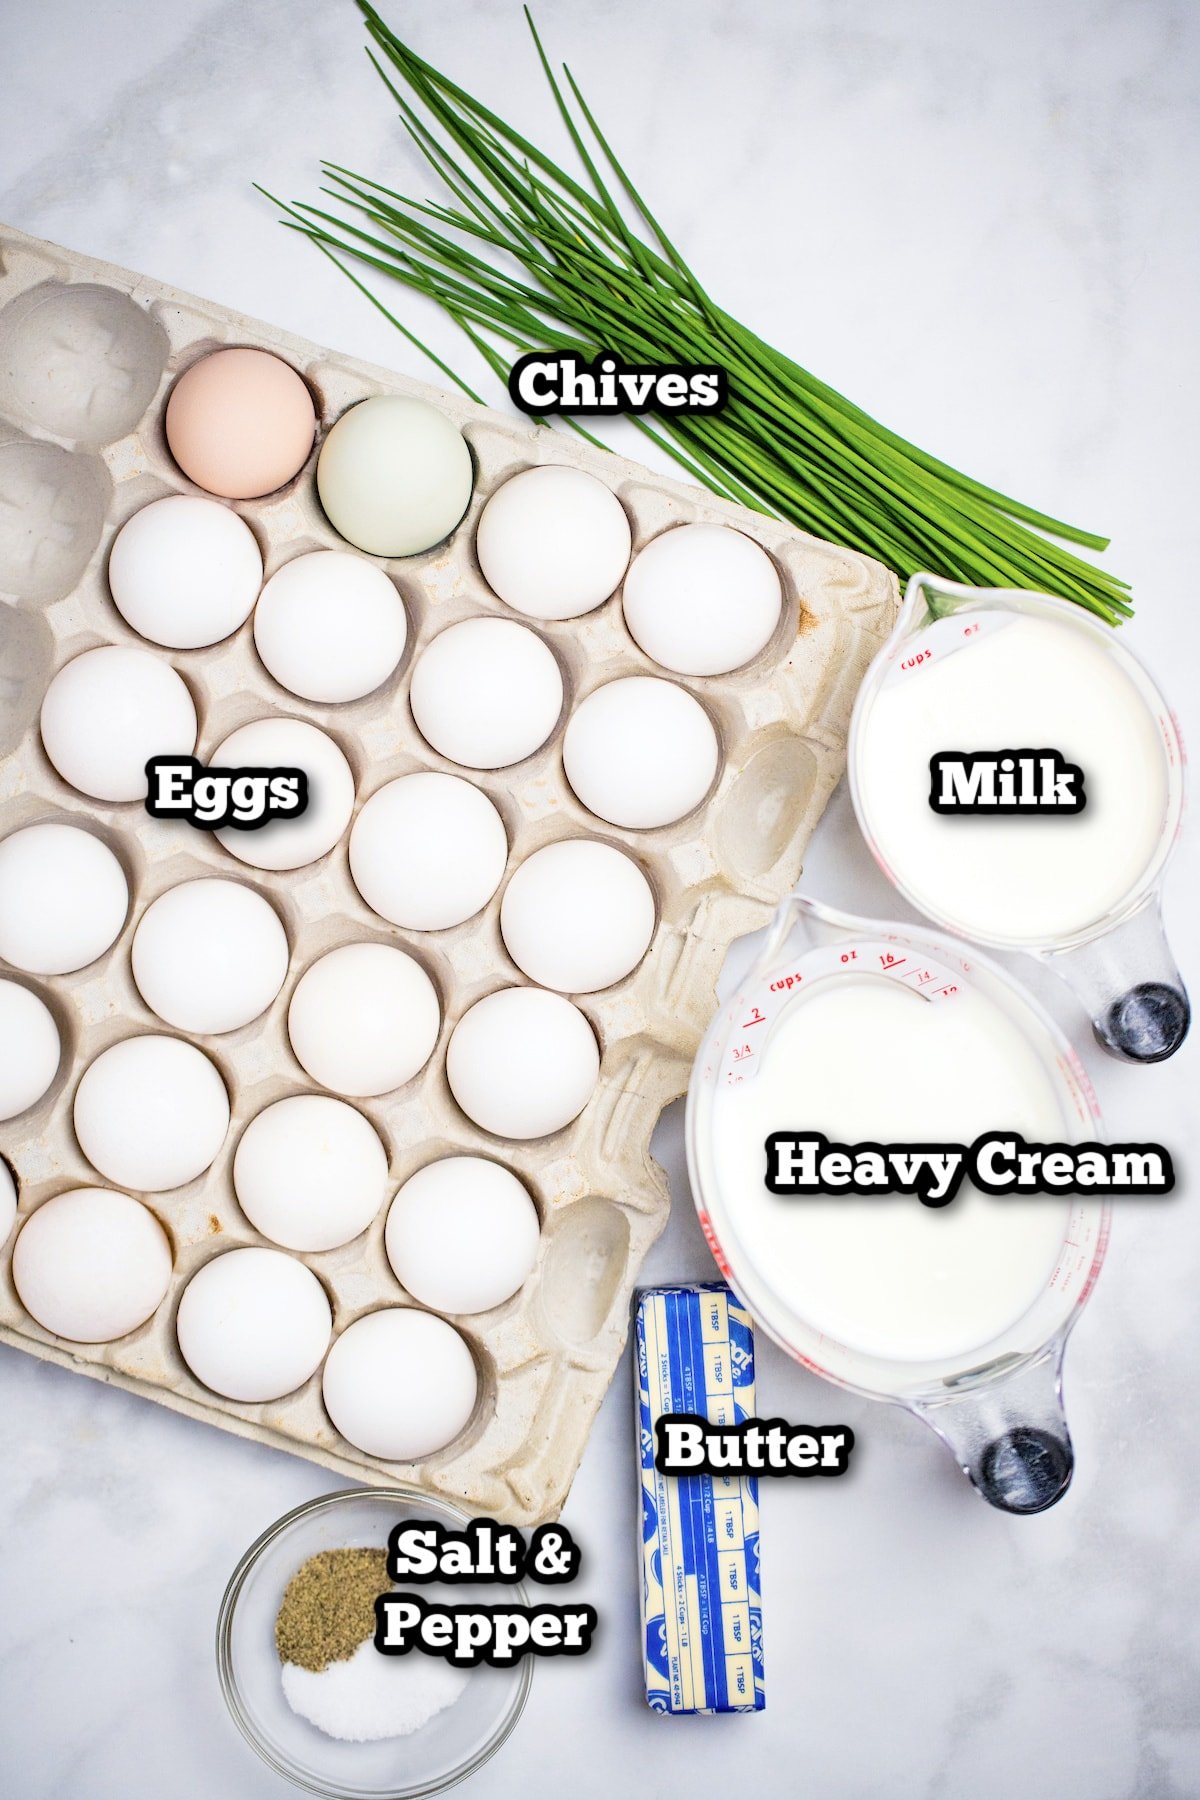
x=53 y=513
x=79 y=361
x=26 y=665
x=762 y=812
x=585 y=1254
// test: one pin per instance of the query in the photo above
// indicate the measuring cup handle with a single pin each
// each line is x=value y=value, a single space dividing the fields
x=1128 y=982
x=1011 y=1437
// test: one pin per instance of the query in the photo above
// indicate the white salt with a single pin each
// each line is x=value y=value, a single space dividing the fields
x=372 y=1696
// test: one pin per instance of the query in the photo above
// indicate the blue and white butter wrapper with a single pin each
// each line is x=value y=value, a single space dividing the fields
x=701 y=1605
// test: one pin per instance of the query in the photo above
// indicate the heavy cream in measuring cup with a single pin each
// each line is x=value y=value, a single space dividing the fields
x=867 y=1057
x=990 y=681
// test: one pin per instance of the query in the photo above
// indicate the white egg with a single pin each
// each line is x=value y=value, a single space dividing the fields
x=702 y=599
x=29 y=1049
x=310 y=1173
x=107 y=712
x=400 y=1384
x=640 y=752
x=428 y=851
x=523 y=1063
x=462 y=1234
x=185 y=572
x=8 y=1200
x=63 y=899
x=151 y=1113
x=486 y=693
x=330 y=626
x=209 y=956
x=253 y=1324
x=553 y=542
x=394 y=475
x=91 y=1265
x=578 y=916
x=364 y=1019
x=290 y=843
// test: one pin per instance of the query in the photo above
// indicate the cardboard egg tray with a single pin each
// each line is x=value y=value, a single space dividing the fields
x=88 y=353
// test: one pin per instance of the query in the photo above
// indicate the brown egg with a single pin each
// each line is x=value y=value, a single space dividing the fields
x=240 y=423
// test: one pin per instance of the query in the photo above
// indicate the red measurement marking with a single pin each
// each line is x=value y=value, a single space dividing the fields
x=742 y=1052
x=891 y=962
x=756 y=1018
x=710 y=1238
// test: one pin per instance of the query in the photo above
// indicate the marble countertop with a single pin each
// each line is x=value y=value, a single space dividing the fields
x=982 y=223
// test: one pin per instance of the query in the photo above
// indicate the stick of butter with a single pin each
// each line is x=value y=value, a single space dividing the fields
x=701 y=1609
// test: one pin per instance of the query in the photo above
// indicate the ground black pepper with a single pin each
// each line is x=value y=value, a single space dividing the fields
x=328 y=1607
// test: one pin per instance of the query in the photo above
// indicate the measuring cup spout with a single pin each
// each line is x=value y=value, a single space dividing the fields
x=1010 y=1436
x=1128 y=981
x=929 y=597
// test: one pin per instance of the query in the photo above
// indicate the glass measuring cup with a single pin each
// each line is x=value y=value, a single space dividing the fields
x=998 y=1406
x=1117 y=963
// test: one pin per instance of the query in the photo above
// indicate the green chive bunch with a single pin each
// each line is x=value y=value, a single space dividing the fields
x=589 y=280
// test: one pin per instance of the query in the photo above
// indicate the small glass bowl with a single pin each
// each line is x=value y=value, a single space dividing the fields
x=441 y=1753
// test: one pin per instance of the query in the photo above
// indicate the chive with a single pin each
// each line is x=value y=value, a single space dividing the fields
x=523 y=256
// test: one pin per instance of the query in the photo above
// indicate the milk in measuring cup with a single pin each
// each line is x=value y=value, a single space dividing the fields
x=989 y=681
x=863 y=1057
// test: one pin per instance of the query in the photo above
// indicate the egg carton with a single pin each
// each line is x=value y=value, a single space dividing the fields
x=88 y=353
